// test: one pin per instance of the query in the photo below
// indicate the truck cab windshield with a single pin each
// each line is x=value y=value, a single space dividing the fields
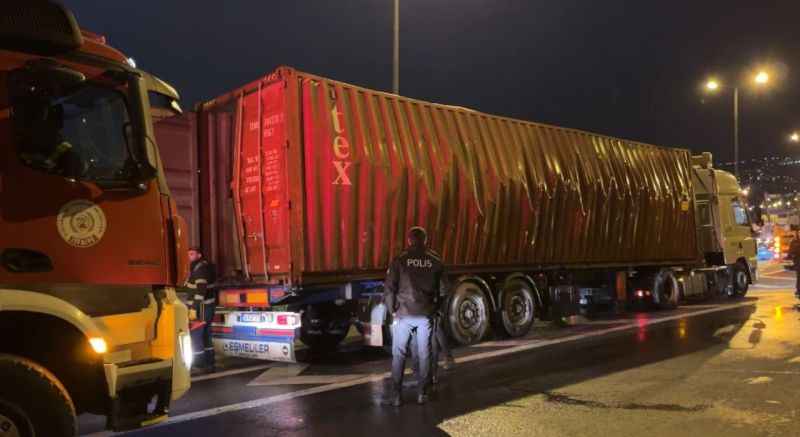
x=82 y=132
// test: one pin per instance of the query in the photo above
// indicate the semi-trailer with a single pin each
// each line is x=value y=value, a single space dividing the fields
x=300 y=189
x=91 y=244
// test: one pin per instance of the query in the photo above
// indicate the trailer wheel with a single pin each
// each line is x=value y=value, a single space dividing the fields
x=740 y=280
x=666 y=290
x=516 y=309
x=33 y=402
x=468 y=314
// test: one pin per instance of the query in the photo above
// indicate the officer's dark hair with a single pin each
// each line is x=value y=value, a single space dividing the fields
x=196 y=249
x=417 y=236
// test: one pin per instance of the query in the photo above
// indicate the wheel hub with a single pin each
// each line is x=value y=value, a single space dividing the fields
x=8 y=428
x=469 y=314
x=517 y=310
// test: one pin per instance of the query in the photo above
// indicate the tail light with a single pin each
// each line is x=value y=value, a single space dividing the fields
x=287 y=320
x=244 y=298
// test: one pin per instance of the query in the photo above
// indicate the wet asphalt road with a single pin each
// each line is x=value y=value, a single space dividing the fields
x=723 y=368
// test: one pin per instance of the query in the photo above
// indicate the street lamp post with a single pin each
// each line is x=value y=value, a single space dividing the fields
x=396 y=58
x=736 y=132
x=712 y=86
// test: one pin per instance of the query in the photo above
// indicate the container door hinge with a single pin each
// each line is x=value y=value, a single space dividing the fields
x=287 y=144
x=289 y=204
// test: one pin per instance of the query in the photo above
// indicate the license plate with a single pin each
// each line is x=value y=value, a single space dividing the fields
x=260 y=350
x=251 y=318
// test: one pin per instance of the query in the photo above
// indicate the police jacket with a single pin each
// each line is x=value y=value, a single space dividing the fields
x=201 y=278
x=415 y=283
x=794 y=251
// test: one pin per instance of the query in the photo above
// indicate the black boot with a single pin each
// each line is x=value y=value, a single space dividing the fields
x=449 y=362
x=392 y=398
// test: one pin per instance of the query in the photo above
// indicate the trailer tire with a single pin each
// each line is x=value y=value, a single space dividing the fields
x=666 y=290
x=468 y=314
x=741 y=282
x=516 y=309
x=32 y=401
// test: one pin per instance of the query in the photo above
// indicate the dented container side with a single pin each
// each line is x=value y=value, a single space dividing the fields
x=492 y=191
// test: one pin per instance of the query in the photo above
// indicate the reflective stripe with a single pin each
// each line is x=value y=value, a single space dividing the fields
x=209 y=301
x=190 y=285
x=200 y=281
x=198 y=297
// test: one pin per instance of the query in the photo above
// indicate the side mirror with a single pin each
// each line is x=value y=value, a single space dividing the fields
x=756 y=216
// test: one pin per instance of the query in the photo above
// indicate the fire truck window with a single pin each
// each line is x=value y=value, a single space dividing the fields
x=81 y=135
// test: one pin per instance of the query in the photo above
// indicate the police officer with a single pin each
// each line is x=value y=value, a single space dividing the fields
x=201 y=280
x=794 y=254
x=414 y=282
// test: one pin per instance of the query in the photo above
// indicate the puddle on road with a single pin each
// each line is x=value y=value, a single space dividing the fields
x=561 y=398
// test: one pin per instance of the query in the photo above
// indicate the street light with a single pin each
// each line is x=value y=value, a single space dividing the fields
x=713 y=85
x=396 y=51
x=794 y=137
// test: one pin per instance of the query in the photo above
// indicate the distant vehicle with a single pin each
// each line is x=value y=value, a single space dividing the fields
x=301 y=188
x=764 y=253
x=91 y=246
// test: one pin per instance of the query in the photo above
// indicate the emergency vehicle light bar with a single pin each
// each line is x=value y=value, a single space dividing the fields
x=40 y=27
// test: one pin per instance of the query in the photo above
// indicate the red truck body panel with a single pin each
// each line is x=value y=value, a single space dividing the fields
x=310 y=180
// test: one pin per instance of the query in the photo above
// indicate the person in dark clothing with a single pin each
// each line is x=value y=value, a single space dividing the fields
x=201 y=280
x=440 y=345
x=414 y=282
x=794 y=255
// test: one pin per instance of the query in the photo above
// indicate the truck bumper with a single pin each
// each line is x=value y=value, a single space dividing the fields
x=263 y=335
x=140 y=393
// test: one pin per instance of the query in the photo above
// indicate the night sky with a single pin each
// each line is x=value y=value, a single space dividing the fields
x=628 y=68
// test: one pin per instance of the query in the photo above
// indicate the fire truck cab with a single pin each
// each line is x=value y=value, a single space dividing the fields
x=91 y=245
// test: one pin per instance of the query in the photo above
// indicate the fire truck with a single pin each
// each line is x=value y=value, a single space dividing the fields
x=91 y=245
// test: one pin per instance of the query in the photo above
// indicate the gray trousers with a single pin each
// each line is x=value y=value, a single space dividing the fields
x=402 y=330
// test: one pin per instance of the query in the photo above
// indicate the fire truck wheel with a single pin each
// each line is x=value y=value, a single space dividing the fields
x=32 y=401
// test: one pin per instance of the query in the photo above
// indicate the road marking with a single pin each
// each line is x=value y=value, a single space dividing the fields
x=225 y=373
x=768 y=372
x=534 y=344
x=310 y=380
x=771 y=287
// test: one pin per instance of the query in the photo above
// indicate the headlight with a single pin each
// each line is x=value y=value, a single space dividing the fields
x=185 y=343
x=99 y=345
